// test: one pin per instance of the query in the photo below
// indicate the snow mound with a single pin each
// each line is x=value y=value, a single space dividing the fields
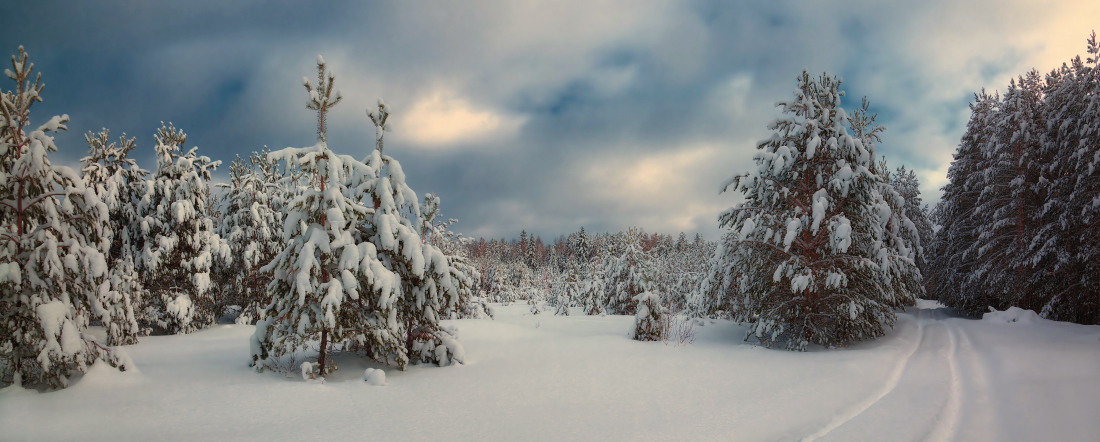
x=375 y=377
x=102 y=375
x=16 y=388
x=1013 y=314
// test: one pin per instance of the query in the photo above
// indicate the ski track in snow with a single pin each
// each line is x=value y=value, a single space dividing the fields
x=891 y=384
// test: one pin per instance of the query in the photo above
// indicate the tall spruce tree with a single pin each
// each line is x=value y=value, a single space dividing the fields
x=951 y=245
x=1067 y=242
x=1081 y=301
x=810 y=245
x=1008 y=198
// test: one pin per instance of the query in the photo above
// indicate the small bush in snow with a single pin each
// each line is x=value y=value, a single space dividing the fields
x=651 y=319
x=681 y=330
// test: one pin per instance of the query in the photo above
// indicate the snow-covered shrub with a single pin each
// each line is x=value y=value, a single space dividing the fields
x=818 y=253
x=651 y=318
x=178 y=241
x=53 y=273
x=681 y=330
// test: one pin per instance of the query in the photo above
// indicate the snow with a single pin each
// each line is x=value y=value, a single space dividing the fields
x=1012 y=315
x=842 y=234
x=375 y=377
x=933 y=377
x=62 y=338
x=794 y=225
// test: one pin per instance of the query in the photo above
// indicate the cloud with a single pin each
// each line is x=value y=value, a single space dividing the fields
x=659 y=190
x=543 y=115
x=441 y=119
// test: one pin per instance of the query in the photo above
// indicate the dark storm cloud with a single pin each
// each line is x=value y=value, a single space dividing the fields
x=543 y=116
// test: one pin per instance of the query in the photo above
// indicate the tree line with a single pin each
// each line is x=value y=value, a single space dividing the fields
x=1018 y=221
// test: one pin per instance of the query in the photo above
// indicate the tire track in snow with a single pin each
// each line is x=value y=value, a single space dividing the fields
x=979 y=415
x=946 y=424
x=891 y=384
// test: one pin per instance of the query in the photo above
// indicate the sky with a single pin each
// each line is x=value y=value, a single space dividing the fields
x=542 y=116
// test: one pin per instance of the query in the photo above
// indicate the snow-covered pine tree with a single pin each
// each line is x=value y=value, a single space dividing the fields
x=178 y=241
x=521 y=248
x=328 y=285
x=809 y=245
x=651 y=319
x=592 y=295
x=355 y=272
x=53 y=273
x=530 y=253
x=117 y=180
x=463 y=272
x=568 y=291
x=1081 y=301
x=628 y=275
x=1008 y=200
x=499 y=289
x=905 y=183
x=581 y=244
x=901 y=248
x=252 y=226
x=562 y=296
x=954 y=260
x=430 y=284
x=1066 y=245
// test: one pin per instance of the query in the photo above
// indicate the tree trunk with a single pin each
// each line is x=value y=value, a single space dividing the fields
x=324 y=344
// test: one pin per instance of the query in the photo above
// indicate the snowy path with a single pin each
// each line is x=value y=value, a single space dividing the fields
x=947 y=384
x=933 y=377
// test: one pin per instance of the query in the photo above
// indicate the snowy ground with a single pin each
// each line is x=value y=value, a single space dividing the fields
x=934 y=377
